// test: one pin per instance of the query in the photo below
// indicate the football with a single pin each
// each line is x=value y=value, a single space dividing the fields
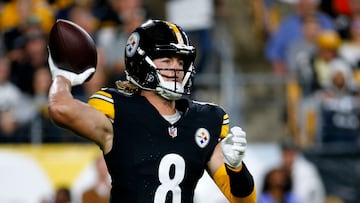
x=71 y=47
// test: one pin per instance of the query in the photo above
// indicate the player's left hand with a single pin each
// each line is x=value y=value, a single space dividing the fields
x=234 y=147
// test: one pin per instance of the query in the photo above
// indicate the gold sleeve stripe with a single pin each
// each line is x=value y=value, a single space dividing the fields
x=222 y=180
x=225 y=126
x=103 y=104
x=103 y=95
x=99 y=96
x=226 y=119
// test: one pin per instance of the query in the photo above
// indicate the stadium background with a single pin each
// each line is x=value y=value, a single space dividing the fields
x=257 y=99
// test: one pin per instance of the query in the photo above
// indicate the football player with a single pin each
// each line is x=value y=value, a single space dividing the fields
x=156 y=143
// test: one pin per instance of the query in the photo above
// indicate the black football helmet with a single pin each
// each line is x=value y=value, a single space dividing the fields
x=155 y=39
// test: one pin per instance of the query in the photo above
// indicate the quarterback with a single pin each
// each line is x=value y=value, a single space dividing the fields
x=156 y=143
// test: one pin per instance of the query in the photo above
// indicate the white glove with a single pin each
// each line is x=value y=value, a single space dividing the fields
x=74 y=78
x=234 y=146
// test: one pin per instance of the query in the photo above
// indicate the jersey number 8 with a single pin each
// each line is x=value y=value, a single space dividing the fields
x=169 y=184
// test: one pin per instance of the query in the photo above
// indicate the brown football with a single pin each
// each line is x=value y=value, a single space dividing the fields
x=71 y=47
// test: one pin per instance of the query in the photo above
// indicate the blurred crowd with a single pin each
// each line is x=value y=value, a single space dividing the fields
x=24 y=74
x=317 y=48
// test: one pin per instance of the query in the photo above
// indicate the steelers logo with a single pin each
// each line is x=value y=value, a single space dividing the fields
x=202 y=137
x=132 y=44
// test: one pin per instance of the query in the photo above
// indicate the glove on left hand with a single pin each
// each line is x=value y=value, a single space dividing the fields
x=234 y=147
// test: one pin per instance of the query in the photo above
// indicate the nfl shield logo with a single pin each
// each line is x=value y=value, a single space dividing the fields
x=172 y=131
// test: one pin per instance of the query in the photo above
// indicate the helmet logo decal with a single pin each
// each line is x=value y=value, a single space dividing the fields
x=176 y=31
x=202 y=137
x=132 y=44
x=150 y=78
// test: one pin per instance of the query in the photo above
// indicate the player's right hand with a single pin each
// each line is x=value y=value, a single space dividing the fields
x=74 y=78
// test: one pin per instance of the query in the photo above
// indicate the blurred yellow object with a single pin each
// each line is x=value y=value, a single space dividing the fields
x=293 y=97
x=356 y=76
x=311 y=125
x=328 y=39
x=63 y=163
x=19 y=12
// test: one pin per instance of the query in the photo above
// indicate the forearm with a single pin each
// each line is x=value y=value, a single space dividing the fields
x=238 y=186
x=78 y=116
x=60 y=99
x=59 y=87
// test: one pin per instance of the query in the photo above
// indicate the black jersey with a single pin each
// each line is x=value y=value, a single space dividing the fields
x=152 y=160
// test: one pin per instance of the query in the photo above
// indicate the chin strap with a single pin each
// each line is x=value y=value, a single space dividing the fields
x=168 y=94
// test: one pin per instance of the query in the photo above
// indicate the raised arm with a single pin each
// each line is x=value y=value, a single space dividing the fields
x=74 y=114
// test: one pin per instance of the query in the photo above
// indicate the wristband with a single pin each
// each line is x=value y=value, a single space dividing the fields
x=241 y=183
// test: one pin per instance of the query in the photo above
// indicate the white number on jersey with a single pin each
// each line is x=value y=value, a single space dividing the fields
x=169 y=184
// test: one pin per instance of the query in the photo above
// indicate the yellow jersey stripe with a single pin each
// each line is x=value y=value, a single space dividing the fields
x=226 y=119
x=99 y=96
x=177 y=32
x=103 y=102
x=225 y=126
x=101 y=92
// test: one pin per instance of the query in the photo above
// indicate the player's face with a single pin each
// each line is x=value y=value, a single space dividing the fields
x=171 y=68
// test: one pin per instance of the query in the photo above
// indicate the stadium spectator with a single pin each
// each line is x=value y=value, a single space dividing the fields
x=277 y=187
x=82 y=16
x=15 y=13
x=301 y=50
x=29 y=53
x=14 y=38
x=309 y=74
x=350 y=49
x=10 y=106
x=42 y=129
x=297 y=166
x=313 y=73
x=268 y=15
x=62 y=195
x=111 y=39
x=125 y=8
x=299 y=55
x=338 y=108
x=290 y=30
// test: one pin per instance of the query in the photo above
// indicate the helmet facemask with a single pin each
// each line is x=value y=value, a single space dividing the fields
x=173 y=90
